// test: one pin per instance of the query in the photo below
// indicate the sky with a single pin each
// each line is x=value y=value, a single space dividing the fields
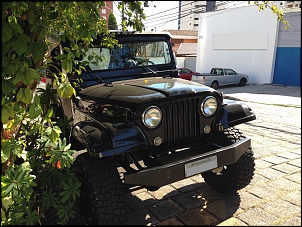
x=161 y=17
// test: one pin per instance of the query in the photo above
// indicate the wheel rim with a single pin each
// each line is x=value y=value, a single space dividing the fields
x=242 y=82
x=214 y=85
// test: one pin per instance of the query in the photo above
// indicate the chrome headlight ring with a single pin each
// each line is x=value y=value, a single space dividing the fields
x=209 y=106
x=152 y=116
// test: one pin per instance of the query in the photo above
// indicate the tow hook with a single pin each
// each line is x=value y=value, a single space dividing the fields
x=218 y=170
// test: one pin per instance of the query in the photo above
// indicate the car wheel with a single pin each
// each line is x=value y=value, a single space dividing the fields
x=102 y=198
x=214 y=85
x=237 y=175
x=242 y=82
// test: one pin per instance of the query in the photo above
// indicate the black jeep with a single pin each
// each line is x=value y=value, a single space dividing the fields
x=139 y=124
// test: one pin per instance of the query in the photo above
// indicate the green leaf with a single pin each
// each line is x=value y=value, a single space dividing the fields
x=7 y=87
x=35 y=111
x=37 y=54
x=16 y=28
x=67 y=65
x=7 y=32
x=5 y=61
x=31 y=74
x=43 y=33
x=24 y=95
x=7 y=111
x=5 y=151
x=54 y=133
x=11 y=68
x=19 y=45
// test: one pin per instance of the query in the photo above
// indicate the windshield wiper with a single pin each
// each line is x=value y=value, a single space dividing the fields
x=144 y=66
x=98 y=79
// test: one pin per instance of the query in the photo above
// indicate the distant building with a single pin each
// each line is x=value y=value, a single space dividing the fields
x=184 y=42
x=106 y=10
x=189 y=11
x=292 y=4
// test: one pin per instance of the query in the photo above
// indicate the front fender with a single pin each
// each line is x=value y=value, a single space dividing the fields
x=234 y=113
x=103 y=139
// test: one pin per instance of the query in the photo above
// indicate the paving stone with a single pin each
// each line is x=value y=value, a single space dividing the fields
x=281 y=208
x=261 y=164
x=248 y=200
x=171 y=222
x=289 y=155
x=141 y=217
x=197 y=217
x=296 y=177
x=293 y=197
x=165 y=209
x=232 y=222
x=189 y=200
x=271 y=173
x=257 y=217
x=264 y=192
x=209 y=194
x=286 y=168
x=258 y=179
x=284 y=184
x=221 y=209
x=186 y=185
x=140 y=201
x=296 y=162
x=293 y=221
x=164 y=192
x=297 y=150
x=275 y=159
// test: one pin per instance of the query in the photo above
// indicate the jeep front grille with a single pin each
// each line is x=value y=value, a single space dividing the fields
x=182 y=121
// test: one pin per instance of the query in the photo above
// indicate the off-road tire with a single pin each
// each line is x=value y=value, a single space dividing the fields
x=102 y=199
x=237 y=175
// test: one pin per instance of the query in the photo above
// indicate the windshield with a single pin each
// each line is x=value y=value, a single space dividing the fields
x=128 y=55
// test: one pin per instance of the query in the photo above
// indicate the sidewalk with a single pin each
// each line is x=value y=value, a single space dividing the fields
x=270 y=94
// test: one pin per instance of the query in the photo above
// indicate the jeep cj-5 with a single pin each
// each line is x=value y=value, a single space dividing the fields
x=139 y=124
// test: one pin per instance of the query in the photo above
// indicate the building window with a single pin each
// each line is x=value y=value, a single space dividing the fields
x=104 y=11
x=195 y=24
x=196 y=18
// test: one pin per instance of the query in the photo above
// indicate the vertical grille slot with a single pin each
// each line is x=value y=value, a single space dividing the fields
x=182 y=121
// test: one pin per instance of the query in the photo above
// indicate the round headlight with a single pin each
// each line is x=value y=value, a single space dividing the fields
x=209 y=106
x=152 y=116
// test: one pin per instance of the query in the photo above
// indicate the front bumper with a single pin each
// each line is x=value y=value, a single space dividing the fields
x=188 y=163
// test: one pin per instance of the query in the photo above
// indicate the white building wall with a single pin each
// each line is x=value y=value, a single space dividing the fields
x=243 y=39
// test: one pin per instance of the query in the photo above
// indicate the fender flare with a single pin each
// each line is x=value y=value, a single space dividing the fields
x=234 y=113
x=102 y=139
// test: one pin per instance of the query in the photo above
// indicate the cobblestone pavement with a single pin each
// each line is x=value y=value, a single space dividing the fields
x=274 y=195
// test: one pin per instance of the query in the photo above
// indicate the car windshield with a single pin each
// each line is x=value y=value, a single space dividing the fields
x=128 y=55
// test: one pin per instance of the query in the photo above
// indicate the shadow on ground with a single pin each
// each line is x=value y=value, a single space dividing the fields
x=195 y=204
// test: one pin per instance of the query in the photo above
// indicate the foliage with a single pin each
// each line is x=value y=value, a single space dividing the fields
x=271 y=5
x=112 y=24
x=132 y=15
x=37 y=183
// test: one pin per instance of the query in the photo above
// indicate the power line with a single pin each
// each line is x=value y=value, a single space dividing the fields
x=188 y=14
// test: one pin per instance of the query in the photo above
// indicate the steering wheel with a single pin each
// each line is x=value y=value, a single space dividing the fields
x=148 y=62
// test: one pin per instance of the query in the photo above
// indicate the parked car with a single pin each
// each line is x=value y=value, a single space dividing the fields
x=186 y=74
x=220 y=77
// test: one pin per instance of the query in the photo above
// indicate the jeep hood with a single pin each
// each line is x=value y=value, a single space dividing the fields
x=142 y=90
